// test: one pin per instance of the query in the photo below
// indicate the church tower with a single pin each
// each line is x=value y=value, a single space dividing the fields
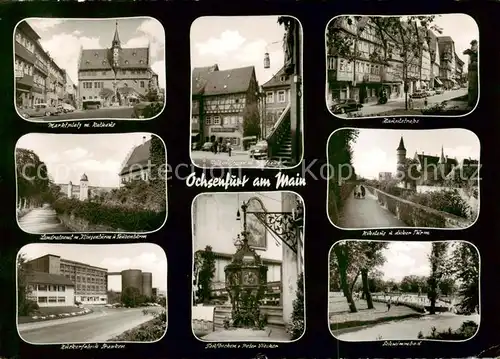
x=84 y=187
x=401 y=155
x=116 y=49
x=442 y=163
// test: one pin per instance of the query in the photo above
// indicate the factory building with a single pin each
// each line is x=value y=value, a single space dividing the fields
x=135 y=278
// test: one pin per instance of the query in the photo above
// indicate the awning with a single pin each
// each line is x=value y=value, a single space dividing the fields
x=249 y=138
x=438 y=81
x=195 y=133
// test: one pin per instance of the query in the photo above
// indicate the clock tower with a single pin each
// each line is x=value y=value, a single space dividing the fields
x=115 y=48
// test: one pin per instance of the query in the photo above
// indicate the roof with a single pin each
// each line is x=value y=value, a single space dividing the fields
x=84 y=177
x=276 y=80
x=35 y=277
x=28 y=30
x=401 y=146
x=200 y=77
x=138 y=157
x=434 y=160
x=101 y=59
x=227 y=81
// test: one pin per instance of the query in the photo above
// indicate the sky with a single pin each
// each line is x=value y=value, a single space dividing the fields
x=462 y=29
x=375 y=150
x=147 y=257
x=68 y=156
x=63 y=39
x=238 y=41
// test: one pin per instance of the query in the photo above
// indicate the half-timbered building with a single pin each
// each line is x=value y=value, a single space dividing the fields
x=220 y=100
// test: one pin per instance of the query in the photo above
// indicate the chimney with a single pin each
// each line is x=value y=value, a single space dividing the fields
x=143 y=139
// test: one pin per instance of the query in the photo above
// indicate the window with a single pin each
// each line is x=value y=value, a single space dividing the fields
x=61 y=299
x=216 y=120
x=61 y=288
x=142 y=84
x=208 y=120
x=52 y=299
x=42 y=299
x=282 y=78
x=270 y=97
x=126 y=62
x=331 y=63
x=281 y=96
x=141 y=62
x=42 y=287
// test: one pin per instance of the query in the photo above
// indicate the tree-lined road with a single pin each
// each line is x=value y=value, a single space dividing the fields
x=101 y=325
x=418 y=103
x=42 y=220
x=366 y=213
x=408 y=329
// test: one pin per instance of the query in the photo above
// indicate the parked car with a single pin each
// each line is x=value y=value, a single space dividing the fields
x=66 y=107
x=345 y=106
x=207 y=146
x=418 y=94
x=259 y=150
x=439 y=91
x=430 y=92
x=39 y=110
x=455 y=88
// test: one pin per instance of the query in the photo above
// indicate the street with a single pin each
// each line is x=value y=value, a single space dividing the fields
x=222 y=160
x=42 y=220
x=408 y=329
x=366 y=213
x=103 y=113
x=99 y=326
x=369 y=110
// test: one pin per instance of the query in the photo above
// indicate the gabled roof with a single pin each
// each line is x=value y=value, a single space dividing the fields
x=101 y=59
x=229 y=81
x=34 y=277
x=276 y=80
x=138 y=158
x=200 y=77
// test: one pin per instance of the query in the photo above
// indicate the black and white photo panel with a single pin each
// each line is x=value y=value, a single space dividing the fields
x=397 y=290
x=381 y=179
x=84 y=69
x=394 y=66
x=106 y=183
x=246 y=92
x=85 y=293
x=248 y=267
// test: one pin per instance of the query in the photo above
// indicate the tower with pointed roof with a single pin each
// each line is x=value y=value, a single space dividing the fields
x=116 y=49
x=84 y=187
x=401 y=155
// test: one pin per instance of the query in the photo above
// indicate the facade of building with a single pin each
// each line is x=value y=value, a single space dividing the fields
x=70 y=95
x=214 y=216
x=50 y=290
x=220 y=101
x=90 y=283
x=435 y=60
x=277 y=98
x=448 y=61
x=115 y=75
x=431 y=169
x=38 y=78
x=83 y=191
x=137 y=164
x=364 y=77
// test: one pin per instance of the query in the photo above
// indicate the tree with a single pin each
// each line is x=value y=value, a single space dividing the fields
x=25 y=306
x=251 y=121
x=106 y=93
x=341 y=251
x=438 y=261
x=465 y=267
x=447 y=286
x=206 y=275
x=403 y=41
x=409 y=172
x=158 y=160
x=296 y=328
x=370 y=254
x=32 y=177
x=131 y=297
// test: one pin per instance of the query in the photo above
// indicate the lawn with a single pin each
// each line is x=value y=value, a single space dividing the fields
x=341 y=318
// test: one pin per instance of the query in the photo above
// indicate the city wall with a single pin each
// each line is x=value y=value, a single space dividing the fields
x=416 y=215
x=81 y=225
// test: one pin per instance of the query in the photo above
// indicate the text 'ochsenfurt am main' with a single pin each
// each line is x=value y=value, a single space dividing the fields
x=230 y=180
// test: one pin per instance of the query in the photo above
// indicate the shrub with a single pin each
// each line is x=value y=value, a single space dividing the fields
x=445 y=200
x=150 y=331
x=27 y=307
x=296 y=326
x=152 y=109
x=467 y=330
x=128 y=219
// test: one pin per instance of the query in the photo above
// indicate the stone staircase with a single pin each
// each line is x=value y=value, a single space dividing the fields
x=274 y=316
x=280 y=141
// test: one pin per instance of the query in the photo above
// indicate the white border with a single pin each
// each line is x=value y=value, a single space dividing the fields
x=98 y=342
x=396 y=116
x=90 y=19
x=93 y=134
x=404 y=340
x=422 y=228
x=301 y=98
x=193 y=262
